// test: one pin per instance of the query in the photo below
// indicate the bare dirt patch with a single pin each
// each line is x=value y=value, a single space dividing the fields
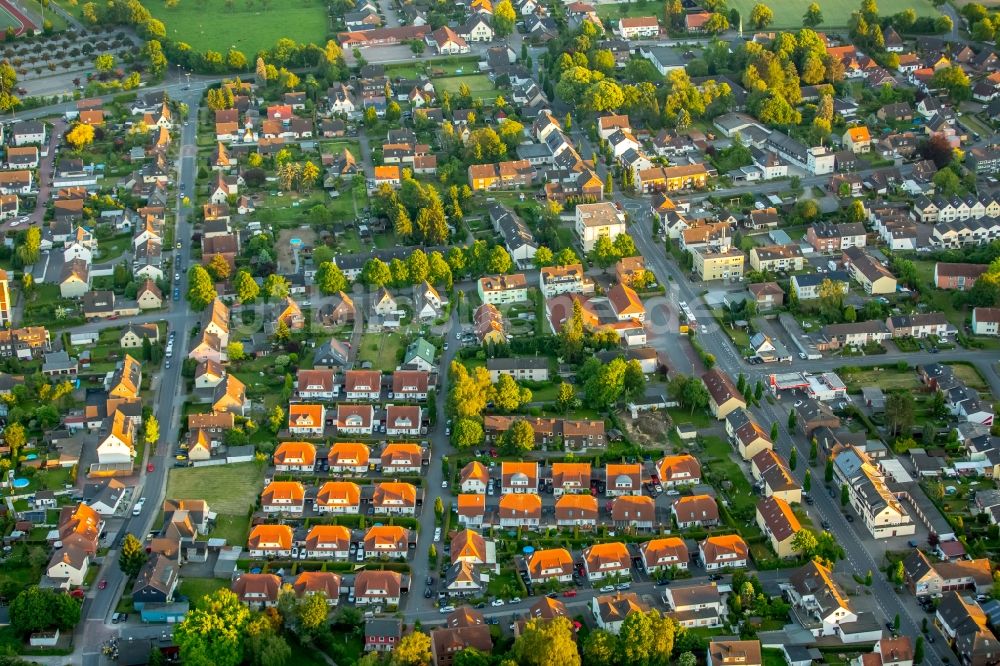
x=648 y=429
x=284 y=247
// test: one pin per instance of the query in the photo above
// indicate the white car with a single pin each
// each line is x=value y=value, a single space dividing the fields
x=437 y=534
x=446 y=609
x=673 y=493
x=14 y=223
x=295 y=552
x=444 y=484
x=798 y=403
x=607 y=588
x=496 y=602
x=515 y=600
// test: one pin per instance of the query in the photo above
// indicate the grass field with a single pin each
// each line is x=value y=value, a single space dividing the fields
x=615 y=11
x=228 y=489
x=480 y=86
x=207 y=24
x=382 y=350
x=788 y=13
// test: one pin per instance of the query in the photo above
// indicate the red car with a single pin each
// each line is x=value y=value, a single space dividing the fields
x=569 y=593
x=149 y=467
x=103 y=584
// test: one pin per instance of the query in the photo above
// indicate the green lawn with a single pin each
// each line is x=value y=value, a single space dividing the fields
x=788 y=14
x=887 y=379
x=479 y=86
x=642 y=8
x=381 y=350
x=207 y=24
x=196 y=588
x=228 y=489
x=234 y=529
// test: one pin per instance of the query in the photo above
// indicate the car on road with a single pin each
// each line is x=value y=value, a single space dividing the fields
x=167 y=364
x=446 y=609
x=116 y=618
x=715 y=577
x=624 y=586
x=14 y=223
x=515 y=600
x=149 y=467
x=103 y=584
x=429 y=580
x=607 y=588
x=802 y=355
x=798 y=403
x=437 y=534
x=446 y=346
x=178 y=245
x=444 y=484
x=177 y=277
x=177 y=294
x=458 y=336
x=673 y=492
x=569 y=593
x=825 y=524
x=497 y=602
x=848 y=517
x=428 y=593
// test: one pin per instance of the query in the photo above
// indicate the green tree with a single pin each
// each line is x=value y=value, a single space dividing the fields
x=213 y=631
x=793 y=459
x=761 y=16
x=15 y=438
x=828 y=475
x=201 y=289
x=774 y=431
x=604 y=389
x=413 y=650
x=518 y=438
x=376 y=273
x=276 y=418
x=571 y=335
x=845 y=495
x=504 y=18
x=132 y=556
x=466 y=433
x=604 y=253
x=918 y=651
x=507 y=395
x=543 y=257
x=804 y=543
x=792 y=420
x=246 y=287
x=151 y=430
x=807 y=481
x=546 y=642
x=35 y=609
x=234 y=351
x=900 y=411
x=955 y=81
x=635 y=379
x=276 y=286
x=330 y=279
x=600 y=648
x=104 y=63
x=565 y=396
x=813 y=16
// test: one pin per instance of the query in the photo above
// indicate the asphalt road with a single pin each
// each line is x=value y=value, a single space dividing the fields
x=169 y=395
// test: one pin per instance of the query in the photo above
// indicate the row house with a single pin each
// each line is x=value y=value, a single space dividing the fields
x=920 y=325
x=504 y=175
x=348 y=457
x=827 y=237
x=325 y=542
x=338 y=497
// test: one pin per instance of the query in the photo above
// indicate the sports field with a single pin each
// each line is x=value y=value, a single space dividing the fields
x=788 y=13
x=208 y=24
x=11 y=18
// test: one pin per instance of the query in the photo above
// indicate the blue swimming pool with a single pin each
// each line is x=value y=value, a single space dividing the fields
x=21 y=483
